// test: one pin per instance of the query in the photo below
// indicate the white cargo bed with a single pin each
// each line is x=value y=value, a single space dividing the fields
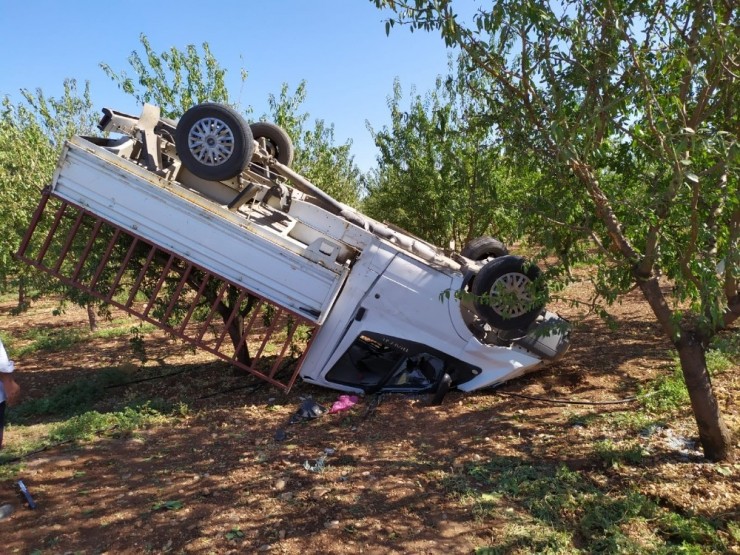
x=256 y=256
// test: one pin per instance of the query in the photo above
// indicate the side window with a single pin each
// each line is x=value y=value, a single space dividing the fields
x=417 y=371
x=368 y=363
x=377 y=362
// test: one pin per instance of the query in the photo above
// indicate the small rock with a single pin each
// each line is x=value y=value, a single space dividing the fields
x=281 y=534
x=287 y=496
x=318 y=493
x=331 y=524
x=280 y=484
x=6 y=510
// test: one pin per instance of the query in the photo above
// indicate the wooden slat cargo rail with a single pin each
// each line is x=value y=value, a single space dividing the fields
x=79 y=248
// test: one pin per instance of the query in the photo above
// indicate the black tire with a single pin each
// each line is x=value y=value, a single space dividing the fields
x=483 y=248
x=277 y=141
x=213 y=141
x=492 y=287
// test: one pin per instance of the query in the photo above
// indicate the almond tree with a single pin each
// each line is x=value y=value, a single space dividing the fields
x=32 y=133
x=439 y=161
x=632 y=109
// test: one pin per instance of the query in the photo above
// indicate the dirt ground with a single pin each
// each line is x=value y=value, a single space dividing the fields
x=218 y=481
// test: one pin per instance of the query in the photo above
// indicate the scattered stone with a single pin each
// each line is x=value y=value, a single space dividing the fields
x=280 y=484
x=287 y=496
x=318 y=493
x=6 y=510
x=331 y=524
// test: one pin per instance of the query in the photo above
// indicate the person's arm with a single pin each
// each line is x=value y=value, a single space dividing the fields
x=12 y=389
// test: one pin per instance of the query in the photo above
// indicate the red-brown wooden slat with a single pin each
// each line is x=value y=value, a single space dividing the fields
x=88 y=247
x=34 y=223
x=214 y=309
x=119 y=275
x=141 y=276
x=269 y=331
x=194 y=303
x=160 y=282
x=70 y=238
x=58 y=215
x=230 y=320
x=176 y=294
x=247 y=329
x=104 y=260
x=77 y=248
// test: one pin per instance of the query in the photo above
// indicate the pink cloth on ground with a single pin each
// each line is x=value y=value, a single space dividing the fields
x=343 y=403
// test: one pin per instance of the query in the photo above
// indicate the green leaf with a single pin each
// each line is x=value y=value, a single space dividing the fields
x=172 y=505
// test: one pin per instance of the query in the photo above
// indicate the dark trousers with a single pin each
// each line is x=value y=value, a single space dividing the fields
x=2 y=422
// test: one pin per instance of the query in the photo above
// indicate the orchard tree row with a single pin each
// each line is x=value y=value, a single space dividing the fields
x=599 y=133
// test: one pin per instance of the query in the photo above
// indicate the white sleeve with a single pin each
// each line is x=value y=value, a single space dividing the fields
x=6 y=365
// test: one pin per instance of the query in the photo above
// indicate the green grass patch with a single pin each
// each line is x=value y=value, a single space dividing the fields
x=125 y=328
x=521 y=538
x=82 y=427
x=52 y=339
x=666 y=394
x=631 y=421
x=90 y=424
x=69 y=399
x=65 y=339
x=541 y=508
x=614 y=455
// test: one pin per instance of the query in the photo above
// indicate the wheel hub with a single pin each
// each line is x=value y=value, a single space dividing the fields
x=211 y=141
x=510 y=295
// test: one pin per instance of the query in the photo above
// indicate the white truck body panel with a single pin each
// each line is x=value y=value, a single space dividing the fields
x=197 y=229
x=399 y=296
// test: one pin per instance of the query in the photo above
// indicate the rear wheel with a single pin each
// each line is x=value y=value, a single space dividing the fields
x=506 y=295
x=483 y=248
x=274 y=140
x=213 y=141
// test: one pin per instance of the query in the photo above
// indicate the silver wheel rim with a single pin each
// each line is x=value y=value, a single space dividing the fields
x=211 y=141
x=510 y=296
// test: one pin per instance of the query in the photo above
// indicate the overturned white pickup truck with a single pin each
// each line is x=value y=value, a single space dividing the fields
x=200 y=227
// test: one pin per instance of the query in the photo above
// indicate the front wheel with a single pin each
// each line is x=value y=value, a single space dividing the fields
x=213 y=141
x=506 y=293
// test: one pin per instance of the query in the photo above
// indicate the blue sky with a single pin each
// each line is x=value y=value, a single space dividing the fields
x=338 y=46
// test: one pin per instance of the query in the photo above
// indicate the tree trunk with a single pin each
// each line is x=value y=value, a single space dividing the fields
x=21 y=295
x=714 y=435
x=92 y=317
x=235 y=333
x=236 y=328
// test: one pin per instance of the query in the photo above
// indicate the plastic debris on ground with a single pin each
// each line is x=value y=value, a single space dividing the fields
x=26 y=494
x=318 y=466
x=308 y=410
x=343 y=403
